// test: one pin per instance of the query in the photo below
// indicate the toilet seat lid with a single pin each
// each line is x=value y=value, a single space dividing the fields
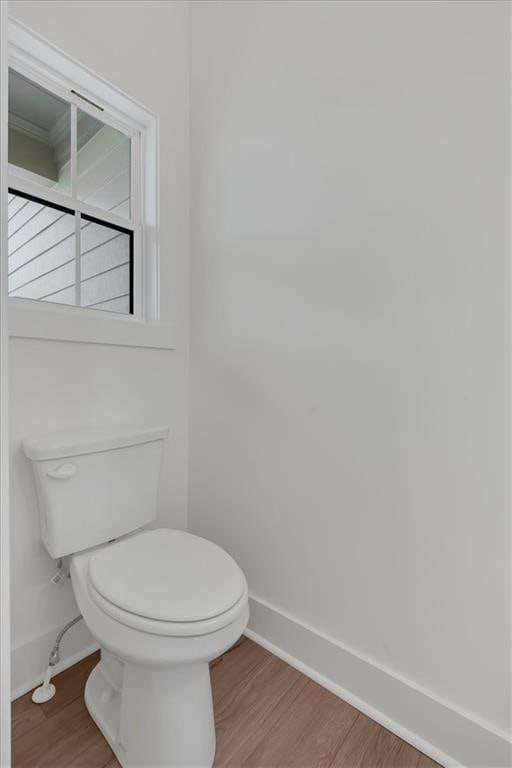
x=167 y=575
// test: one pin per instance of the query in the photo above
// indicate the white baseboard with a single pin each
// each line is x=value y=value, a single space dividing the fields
x=443 y=732
x=29 y=661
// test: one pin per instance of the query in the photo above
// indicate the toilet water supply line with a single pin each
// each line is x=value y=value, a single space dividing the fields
x=46 y=690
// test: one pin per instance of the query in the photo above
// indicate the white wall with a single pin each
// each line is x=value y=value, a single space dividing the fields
x=55 y=385
x=349 y=338
x=350 y=305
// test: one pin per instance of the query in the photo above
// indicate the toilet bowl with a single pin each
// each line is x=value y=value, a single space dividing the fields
x=161 y=603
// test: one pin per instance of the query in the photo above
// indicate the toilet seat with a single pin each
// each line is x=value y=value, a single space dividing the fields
x=167 y=582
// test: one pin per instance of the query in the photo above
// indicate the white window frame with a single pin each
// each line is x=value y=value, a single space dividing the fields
x=38 y=60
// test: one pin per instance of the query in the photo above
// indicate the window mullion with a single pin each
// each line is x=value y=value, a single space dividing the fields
x=74 y=151
x=78 y=270
x=70 y=203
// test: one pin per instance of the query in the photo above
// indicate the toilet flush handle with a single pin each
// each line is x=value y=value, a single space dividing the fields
x=63 y=472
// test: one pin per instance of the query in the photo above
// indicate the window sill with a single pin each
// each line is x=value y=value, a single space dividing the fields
x=36 y=320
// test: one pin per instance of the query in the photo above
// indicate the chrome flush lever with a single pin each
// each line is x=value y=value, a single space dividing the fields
x=63 y=472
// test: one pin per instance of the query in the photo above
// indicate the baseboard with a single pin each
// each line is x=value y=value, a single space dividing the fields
x=30 y=660
x=444 y=733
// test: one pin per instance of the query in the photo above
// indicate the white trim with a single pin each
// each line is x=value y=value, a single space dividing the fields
x=63 y=87
x=33 y=49
x=57 y=322
x=37 y=72
x=5 y=617
x=150 y=208
x=73 y=149
x=32 y=55
x=509 y=287
x=50 y=195
x=441 y=730
x=139 y=250
x=78 y=270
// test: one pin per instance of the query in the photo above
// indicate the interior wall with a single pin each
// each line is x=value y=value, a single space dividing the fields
x=56 y=385
x=349 y=325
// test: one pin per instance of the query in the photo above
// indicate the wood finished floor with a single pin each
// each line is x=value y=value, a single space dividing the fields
x=267 y=715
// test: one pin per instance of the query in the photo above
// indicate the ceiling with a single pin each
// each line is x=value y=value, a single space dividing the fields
x=30 y=103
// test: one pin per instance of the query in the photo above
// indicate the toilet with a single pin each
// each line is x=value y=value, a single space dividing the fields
x=161 y=603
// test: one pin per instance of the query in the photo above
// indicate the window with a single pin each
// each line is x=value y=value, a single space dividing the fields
x=65 y=257
x=83 y=243
x=79 y=253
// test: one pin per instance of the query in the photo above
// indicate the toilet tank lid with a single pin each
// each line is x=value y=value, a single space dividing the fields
x=76 y=442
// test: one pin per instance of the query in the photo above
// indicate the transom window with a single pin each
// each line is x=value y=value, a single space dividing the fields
x=73 y=205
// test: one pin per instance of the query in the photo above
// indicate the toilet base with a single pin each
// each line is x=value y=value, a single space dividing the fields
x=153 y=717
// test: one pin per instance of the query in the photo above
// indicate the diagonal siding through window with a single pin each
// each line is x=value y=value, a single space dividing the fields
x=44 y=259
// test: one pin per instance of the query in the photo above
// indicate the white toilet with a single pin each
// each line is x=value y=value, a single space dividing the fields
x=161 y=603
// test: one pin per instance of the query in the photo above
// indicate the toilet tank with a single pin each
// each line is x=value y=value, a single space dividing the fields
x=94 y=485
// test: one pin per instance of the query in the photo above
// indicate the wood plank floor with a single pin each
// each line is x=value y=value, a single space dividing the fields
x=267 y=715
